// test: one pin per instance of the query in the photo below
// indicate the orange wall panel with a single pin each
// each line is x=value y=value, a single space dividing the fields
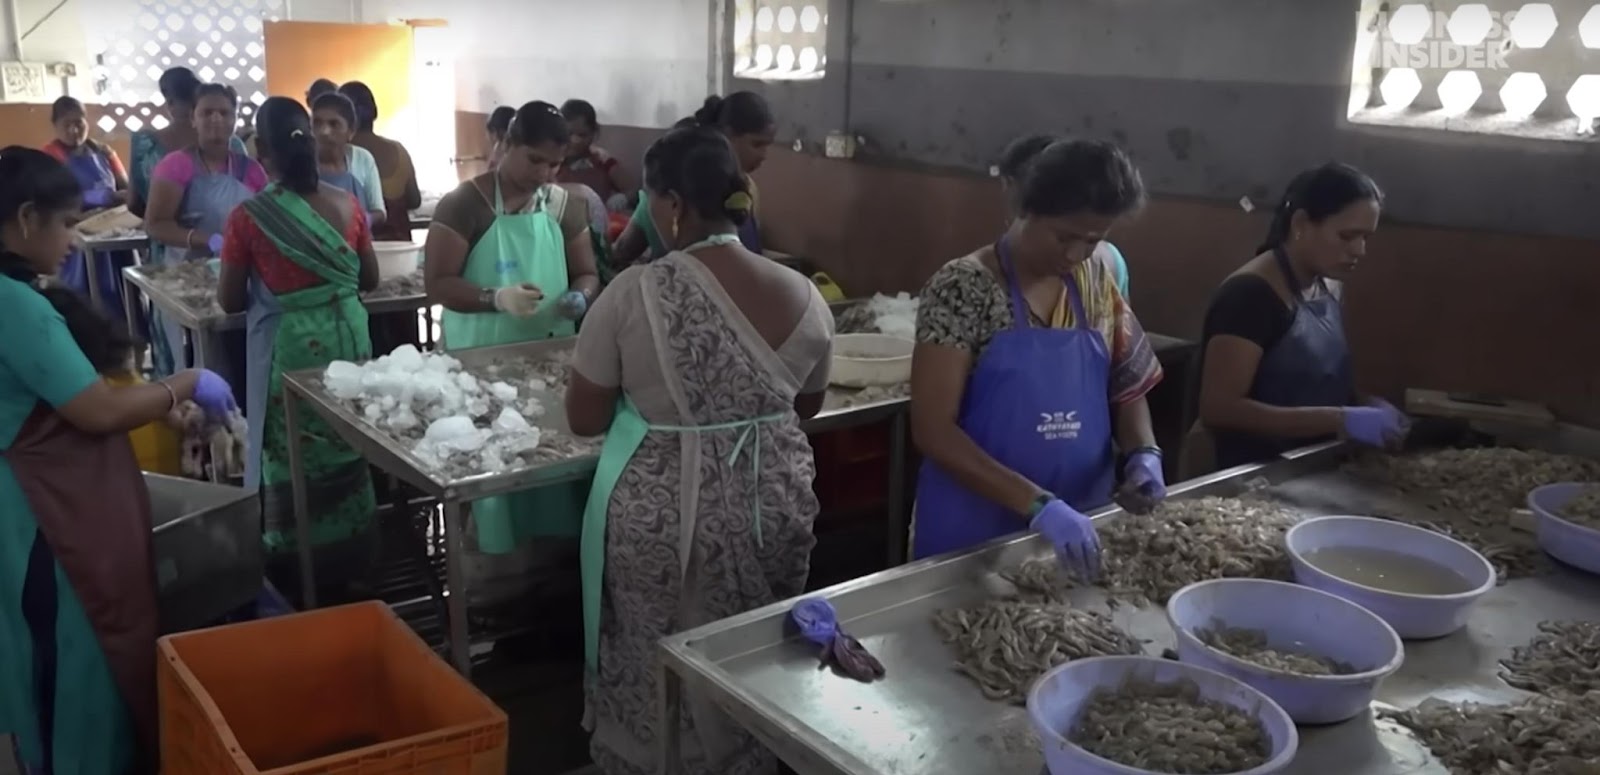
x=378 y=55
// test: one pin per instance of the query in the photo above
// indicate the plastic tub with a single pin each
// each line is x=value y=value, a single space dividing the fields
x=1563 y=539
x=1413 y=616
x=338 y=690
x=1057 y=697
x=396 y=259
x=1293 y=617
x=864 y=360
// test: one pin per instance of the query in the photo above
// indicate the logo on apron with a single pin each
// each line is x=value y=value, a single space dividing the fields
x=1058 y=426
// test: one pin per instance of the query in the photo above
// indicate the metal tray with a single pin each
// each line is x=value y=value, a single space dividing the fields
x=926 y=719
x=208 y=554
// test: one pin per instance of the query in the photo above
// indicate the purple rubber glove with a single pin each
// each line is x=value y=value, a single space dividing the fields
x=213 y=394
x=214 y=244
x=1142 y=474
x=99 y=197
x=1375 y=426
x=1073 y=537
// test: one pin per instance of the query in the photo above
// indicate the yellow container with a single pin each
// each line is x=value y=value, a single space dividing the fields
x=831 y=292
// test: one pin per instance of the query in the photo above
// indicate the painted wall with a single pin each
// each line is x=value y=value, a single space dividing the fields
x=1216 y=100
x=641 y=62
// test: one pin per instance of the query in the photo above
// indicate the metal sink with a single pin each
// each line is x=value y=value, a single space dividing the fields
x=208 y=555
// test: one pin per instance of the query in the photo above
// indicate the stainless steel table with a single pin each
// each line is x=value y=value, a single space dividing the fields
x=927 y=719
x=136 y=241
x=455 y=495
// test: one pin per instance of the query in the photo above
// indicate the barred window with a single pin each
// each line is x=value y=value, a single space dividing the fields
x=776 y=40
x=133 y=45
x=1506 y=67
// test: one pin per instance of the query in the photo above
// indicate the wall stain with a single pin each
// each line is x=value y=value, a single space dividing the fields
x=1179 y=141
x=1088 y=121
x=1120 y=137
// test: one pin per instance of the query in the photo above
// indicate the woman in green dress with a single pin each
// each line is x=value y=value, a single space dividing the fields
x=294 y=258
x=77 y=583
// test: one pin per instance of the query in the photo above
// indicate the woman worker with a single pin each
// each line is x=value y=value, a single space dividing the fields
x=698 y=368
x=401 y=193
x=495 y=132
x=1029 y=365
x=192 y=191
x=746 y=120
x=149 y=146
x=341 y=164
x=588 y=163
x=105 y=184
x=78 y=619
x=1014 y=161
x=1276 y=372
x=509 y=258
x=294 y=257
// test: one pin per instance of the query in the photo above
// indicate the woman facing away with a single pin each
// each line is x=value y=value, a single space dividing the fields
x=294 y=258
x=78 y=618
x=698 y=368
x=105 y=184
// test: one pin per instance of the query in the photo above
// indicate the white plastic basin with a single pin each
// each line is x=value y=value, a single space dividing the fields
x=1294 y=618
x=1059 y=695
x=1564 y=540
x=396 y=259
x=1413 y=616
x=865 y=360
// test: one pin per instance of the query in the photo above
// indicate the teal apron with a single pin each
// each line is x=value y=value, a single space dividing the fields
x=628 y=430
x=525 y=247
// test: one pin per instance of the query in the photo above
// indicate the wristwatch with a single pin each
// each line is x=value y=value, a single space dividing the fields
x=486 y=298
x=1039 y=502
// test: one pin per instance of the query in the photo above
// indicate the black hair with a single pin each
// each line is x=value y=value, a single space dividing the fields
x=64 y=105
x=1021 y=152
x=283 y=137
x=500 y=120
x=739 y=113
x=178 y=84
x=1321 y=192
x=217 y=90
x=698 y=165
x=1077 y=176
x=338 y=103
x=29 y=176
x=103 y=340
x=537 y=123
x=687 y=122
x=580 y=110
x=320 y=87
x=366 y=104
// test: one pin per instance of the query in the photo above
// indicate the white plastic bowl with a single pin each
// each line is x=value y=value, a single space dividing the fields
x=1414 y=617
x=1059 y=695
x=396 y=259
x=864 y=360
x=1296 y=618
x=1564 y=540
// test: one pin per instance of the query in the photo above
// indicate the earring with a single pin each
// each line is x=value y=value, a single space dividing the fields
x=674 y=238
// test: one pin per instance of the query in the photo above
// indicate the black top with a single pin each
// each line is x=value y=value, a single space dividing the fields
x=1246 y=306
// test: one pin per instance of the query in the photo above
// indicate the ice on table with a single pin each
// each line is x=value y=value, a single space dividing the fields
x=892 y=315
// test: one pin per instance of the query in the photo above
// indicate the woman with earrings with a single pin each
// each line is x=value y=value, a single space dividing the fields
x=698 y=368
x=510 y=259
x=1031 y=370
x=1014 y=162
x=1276 y=372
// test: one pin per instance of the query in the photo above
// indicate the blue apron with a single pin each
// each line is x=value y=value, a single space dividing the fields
x=1038 y=403
x=93 y=171
x=1309 y=366
x=207 y=201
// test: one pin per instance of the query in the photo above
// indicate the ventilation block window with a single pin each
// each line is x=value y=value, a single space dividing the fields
x=1509 y=67
x=780 y=41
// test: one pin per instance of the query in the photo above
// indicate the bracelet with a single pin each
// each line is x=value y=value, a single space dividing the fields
x=188 y=240
x=1147 y=449
x=172 y=395
x=1039 y=502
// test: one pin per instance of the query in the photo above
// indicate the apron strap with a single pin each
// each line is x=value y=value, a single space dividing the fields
x=1019 y=306
x=748 y=430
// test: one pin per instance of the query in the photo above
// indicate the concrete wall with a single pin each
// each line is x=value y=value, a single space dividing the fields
x=1215 y=99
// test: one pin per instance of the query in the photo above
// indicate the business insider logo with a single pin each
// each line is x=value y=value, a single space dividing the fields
x=1471 y=37
x=1055 y=426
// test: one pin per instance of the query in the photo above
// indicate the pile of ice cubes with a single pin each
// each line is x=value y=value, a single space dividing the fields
x=451 y=417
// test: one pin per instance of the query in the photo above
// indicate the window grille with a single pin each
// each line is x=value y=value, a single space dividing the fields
x=775 y=40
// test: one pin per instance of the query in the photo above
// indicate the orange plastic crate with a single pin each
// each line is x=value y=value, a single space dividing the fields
x=338 y=691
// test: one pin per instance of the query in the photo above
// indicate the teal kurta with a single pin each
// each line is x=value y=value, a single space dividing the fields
x=94 y=732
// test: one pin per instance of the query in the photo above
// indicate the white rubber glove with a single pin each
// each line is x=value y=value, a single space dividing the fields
x=518 y=300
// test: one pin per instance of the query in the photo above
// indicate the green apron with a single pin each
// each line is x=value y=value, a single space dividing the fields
x=525 y=247
x=628 y=430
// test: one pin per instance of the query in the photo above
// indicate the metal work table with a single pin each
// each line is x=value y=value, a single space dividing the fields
x=925 y=718
x=207 y=316
x=136 y=241
x=455 y=495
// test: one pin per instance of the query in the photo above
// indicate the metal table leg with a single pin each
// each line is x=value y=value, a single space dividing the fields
x=302 y=521
x=92 y=274
x=668 y=703
x=899 y=517
x=456 y=585
x=130 y=303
